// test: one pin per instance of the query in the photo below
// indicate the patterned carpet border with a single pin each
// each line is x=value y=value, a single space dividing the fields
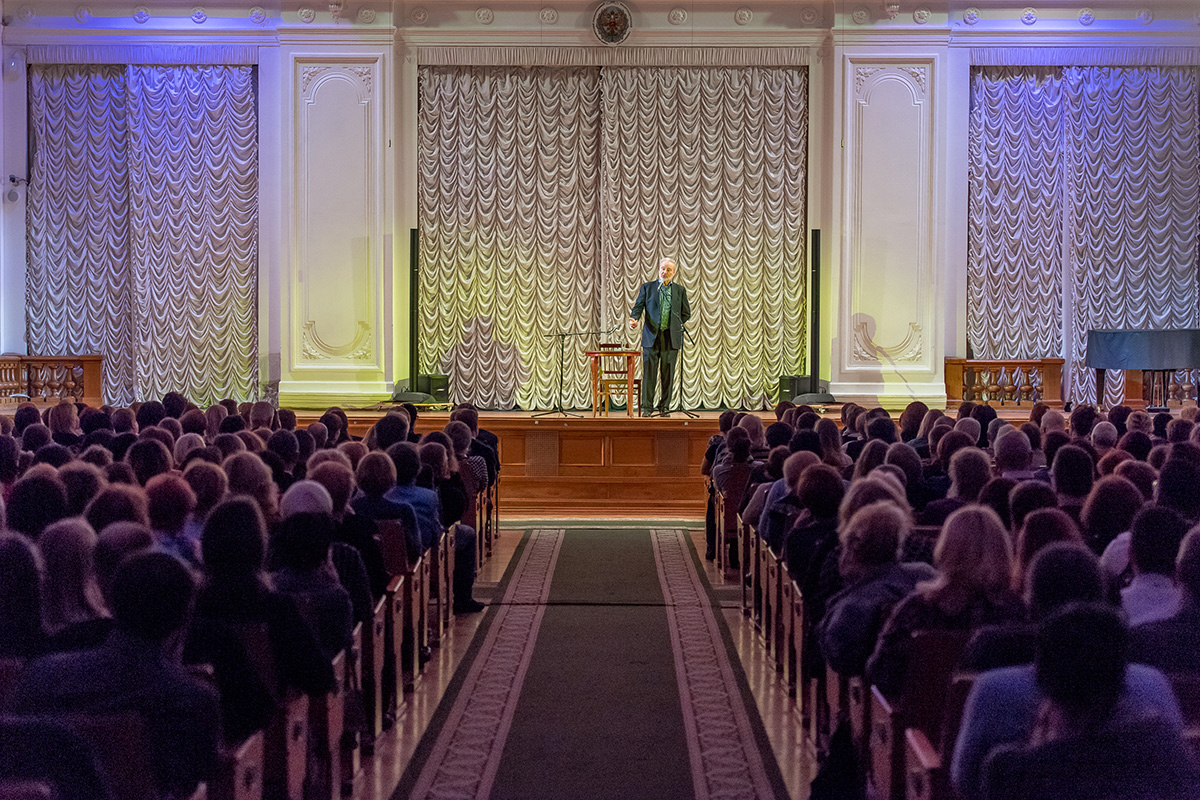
x=725 y=742
x=462 y=762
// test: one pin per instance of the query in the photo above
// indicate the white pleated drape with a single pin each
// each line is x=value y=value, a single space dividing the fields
x=707 y=166
x=1014 y=264
x=509 y=226
x=78 y=292
x=548 y=194
x=1084 y=209
x=194 y=230
x=1133 y=199
x=143 y=226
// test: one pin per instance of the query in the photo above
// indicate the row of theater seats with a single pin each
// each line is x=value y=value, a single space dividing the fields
x=904 y=746
x=373 y=681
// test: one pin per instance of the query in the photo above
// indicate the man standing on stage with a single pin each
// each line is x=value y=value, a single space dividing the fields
x=666 y=307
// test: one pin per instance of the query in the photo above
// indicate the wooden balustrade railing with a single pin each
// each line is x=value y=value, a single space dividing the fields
x=1004 y=380
x=49 y=378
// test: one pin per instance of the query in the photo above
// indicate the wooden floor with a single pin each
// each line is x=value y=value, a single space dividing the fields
x=396 y=747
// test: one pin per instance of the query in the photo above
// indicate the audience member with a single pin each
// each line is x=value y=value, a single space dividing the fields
x=135 y=670
x=1173 y=644
x=1109 y=511
x=1004 y=705
x=424 y=502
x=21 y=632
x=1027 y=497
x=1071 y=475
x=969 y=472
x=1040 y=528
x=303 y=571
x=875 y=581
x=1154 y=541
x=235 y=595
x=1088 y=744
x=73 y=609
x=973 y=588
x=1062 y=572
x=36 y=500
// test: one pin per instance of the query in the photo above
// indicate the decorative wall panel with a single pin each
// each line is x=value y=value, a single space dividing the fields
x=337 y=282
x=887 y=300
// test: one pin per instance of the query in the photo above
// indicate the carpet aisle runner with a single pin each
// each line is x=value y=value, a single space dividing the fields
x=604 y=672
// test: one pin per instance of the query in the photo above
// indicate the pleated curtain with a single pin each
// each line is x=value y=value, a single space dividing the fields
x=78 y=286
x=143 y=226
x=707 y=166
x=509 y=224
x=547 y=195
x=1084 y=209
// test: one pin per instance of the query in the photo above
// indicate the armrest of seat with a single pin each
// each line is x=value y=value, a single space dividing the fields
x=240 y=773
x=920 y=751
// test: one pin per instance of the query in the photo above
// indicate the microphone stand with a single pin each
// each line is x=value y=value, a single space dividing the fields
x=681 y=409
x=562 y=348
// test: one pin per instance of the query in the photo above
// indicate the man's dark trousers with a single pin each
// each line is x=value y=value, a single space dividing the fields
x=658 y=365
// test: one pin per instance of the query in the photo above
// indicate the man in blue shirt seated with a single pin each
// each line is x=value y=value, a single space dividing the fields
x=424 y=502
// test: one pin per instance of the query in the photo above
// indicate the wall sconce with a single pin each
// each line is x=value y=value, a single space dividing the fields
x=335 y=8
x=13 y=195
x=14 y=65
x=891 y=8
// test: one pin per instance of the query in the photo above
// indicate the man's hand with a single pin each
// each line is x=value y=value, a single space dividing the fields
x=632 y=322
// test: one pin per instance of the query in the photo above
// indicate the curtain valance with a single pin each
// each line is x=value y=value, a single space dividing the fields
x=160 y=55
x=1085 y=56
x=614 y=57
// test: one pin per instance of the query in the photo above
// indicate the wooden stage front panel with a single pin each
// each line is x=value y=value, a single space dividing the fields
x=613 y=466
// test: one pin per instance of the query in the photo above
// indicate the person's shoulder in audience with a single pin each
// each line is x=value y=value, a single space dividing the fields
x=996 y=646
x=1171 y=645
x=1002 y=709
x=83 y=635
x=1127 y=758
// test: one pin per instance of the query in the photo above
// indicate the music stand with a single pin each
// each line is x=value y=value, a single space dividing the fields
x=562 y=348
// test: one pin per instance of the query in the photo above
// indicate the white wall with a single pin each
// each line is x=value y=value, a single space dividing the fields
x=889 y=98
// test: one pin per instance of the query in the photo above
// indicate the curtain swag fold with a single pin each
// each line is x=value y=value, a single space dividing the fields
x=615 y=56
x=1094 y=56
x=164 y=55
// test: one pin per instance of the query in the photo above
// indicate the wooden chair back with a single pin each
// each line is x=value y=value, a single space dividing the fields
x=393 y=546
x=614 y=380
x=1187 y=694
x=931 y=667
x=285 y=740
x=921 y=705
x=355 y=716
x=736 y=485
x=325 y=721
x=240 y=774
x=373 y=654
x=122 y=749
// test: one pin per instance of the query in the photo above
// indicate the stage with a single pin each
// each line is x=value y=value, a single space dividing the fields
x=613 y=466
x=587 y=466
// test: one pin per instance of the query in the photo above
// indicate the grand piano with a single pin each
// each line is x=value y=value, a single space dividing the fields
x=1158 y=352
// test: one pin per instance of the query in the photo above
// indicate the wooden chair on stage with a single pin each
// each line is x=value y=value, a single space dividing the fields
x=612 y=379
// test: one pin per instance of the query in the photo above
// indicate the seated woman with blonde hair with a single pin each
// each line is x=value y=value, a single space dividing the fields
x=973 y=588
